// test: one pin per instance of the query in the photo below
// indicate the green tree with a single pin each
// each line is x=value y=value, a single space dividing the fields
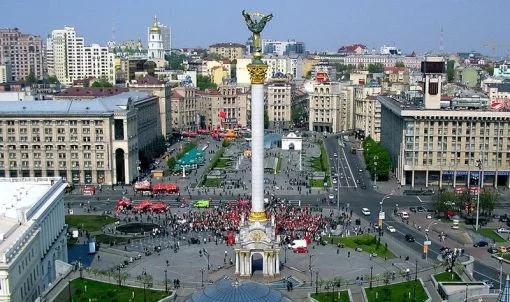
x=450 y=70
x=147 y=281
x=175 y=60
x=375 y=68
x=233 y=69
x=488 y=201
x=444 y=201
x=489 y=68
x=377 y=158
x=204 y=82
x=31 y=79
x=266 y=120
x=400 y=64
x=53 y=79
x=171 y=163
x=101 y=83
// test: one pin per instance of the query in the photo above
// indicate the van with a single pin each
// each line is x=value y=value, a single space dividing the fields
x=201 y=204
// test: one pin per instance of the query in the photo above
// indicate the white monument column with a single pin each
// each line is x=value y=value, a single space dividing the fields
x=257 y=74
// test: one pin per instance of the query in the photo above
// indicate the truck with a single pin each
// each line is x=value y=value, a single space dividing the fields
x=299 y=246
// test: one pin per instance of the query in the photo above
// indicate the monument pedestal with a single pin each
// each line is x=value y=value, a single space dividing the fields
x=257 y=237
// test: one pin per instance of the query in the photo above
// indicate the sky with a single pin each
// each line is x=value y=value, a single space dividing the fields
x=324 y=25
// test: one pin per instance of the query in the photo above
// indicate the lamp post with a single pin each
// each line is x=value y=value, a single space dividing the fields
x=375 y=170
x=317 y=281
x=310 y=268
x=371 y=270
x=202 y=271
x=166 y=282
x=479 y=165
x=285 y=249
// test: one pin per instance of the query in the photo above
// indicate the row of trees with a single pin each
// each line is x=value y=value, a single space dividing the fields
x=465 y=202
x=377 y=158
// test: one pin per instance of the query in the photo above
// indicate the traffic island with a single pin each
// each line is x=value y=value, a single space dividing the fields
x=362 y=243
x=404 y=291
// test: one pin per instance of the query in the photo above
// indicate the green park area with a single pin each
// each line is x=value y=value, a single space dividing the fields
x=320 y=164
x=447 y=277
x=212 y=182
x=368 y=243
x=334 y=296
x=89 y=290
x=377 y=159
x=404 y=291
x=90 y=223
x=491 y=234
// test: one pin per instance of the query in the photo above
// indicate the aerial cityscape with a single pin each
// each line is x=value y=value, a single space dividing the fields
x=271 y=151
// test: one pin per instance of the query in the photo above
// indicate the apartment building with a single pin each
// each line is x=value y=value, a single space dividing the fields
x=162 y=90
x=331 y=106
x=279 y=103
x=363 y=60
x=231 y=51
x=184 y=105
x=69 y=59
x=85 y=141
x=235 y=103
x=5 y=72
x=367 y=110
x=24 y=52
x=33 y=232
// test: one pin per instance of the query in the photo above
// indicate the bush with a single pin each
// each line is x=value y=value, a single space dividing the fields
x=171 y=163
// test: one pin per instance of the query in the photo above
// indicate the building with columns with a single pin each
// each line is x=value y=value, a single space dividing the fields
x=84 y=141
x=33 y=236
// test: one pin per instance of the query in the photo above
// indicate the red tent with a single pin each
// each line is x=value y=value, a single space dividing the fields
x=143 y=205
x=159 y=206
x=142 y=185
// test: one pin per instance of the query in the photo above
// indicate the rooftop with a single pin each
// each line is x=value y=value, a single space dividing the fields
x=237 y=291
x=502 y=87
x=24 y=201
x=228 y=44
x=95 y=106
x=76 y=92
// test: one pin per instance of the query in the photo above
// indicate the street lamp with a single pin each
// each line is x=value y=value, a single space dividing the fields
x=375 y=170
x=316 y=281
x=166 y=282
x=479 y=165
x=202 y=271
x=310 y=268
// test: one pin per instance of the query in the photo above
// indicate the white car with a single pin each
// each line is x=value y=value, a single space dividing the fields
x=404 y=215
x=429 y=216
x=335 y=155
x=391 y=229
x=331 y=196
x=503 y=230
x=365 y=211
x=335 y=181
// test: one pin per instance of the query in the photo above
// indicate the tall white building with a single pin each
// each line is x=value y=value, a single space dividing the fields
x=278 y=47
x=69 y=59
x=32 y=236
x=159 y=40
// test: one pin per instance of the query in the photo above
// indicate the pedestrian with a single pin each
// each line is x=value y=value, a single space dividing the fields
x=349 y=254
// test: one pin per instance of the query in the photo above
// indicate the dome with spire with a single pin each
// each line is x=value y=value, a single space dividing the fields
x=155 y=26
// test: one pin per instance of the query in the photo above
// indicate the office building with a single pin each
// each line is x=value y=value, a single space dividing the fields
x=85 y=141
x=70 y=60
x=24 y=52
x=281 y=48
x=367 y=110
x=33 y=236
x=231 y=51
x=278 y=103
x=331 y=106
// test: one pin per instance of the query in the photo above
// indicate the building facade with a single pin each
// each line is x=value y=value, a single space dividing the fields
x=5 y=73
x=331 y=106
x=33 y=236
x=231 y=51
x=24 y=52
x=162 y=91
x=363 y=60
x=368 y=110
x=69 y=59
x=85 y=141
x=442 y=147
x=184 y=105
x=286 y=65
x=279 y=104
x=281 y=47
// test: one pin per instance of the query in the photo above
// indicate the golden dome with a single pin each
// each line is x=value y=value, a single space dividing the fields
x=155 y=26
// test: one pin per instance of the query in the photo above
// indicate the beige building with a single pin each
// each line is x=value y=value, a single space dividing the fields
x=85 y=141
x=331 y=107
x=69 y=59
x=163 y=91
x=443 y=147
x=24 y=53
x=367 y=110
x=236 y=104
x=184 y=106
x=231 y=51
x=5 y=73
x=279 y=98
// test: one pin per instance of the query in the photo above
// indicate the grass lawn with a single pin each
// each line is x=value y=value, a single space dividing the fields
x=107 y=239
x=506 y=256
x=279 y=165
x=446 y=276
x=397 y=292
x=367 y=242
x=317 y=183
x=342 y=296
x=212 y=182
x=316 y=163
x=100 y=291
x=222 y=163
x=491 y=234
x=91 y=223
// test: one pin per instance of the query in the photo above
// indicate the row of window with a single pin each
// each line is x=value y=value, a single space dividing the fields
x=50 y=164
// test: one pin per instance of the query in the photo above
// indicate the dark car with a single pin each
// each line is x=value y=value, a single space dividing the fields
x=412 y=209
x=363 y=186
x=409 y=238
x=481 y=243
x=420 y=209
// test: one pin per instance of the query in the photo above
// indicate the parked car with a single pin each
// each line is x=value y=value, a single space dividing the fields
x=404 y=215
x=420 y=209
x=331 y=196
x=391 y=229
x=481 y=243
x=429 y=216
x=365 y=211
x=503 y=230
x=412 y=209
x=409 y=238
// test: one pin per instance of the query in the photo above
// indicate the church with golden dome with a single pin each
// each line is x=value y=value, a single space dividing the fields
x=158 y=40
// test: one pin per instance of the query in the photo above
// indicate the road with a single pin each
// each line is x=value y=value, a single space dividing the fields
x=358 y=198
